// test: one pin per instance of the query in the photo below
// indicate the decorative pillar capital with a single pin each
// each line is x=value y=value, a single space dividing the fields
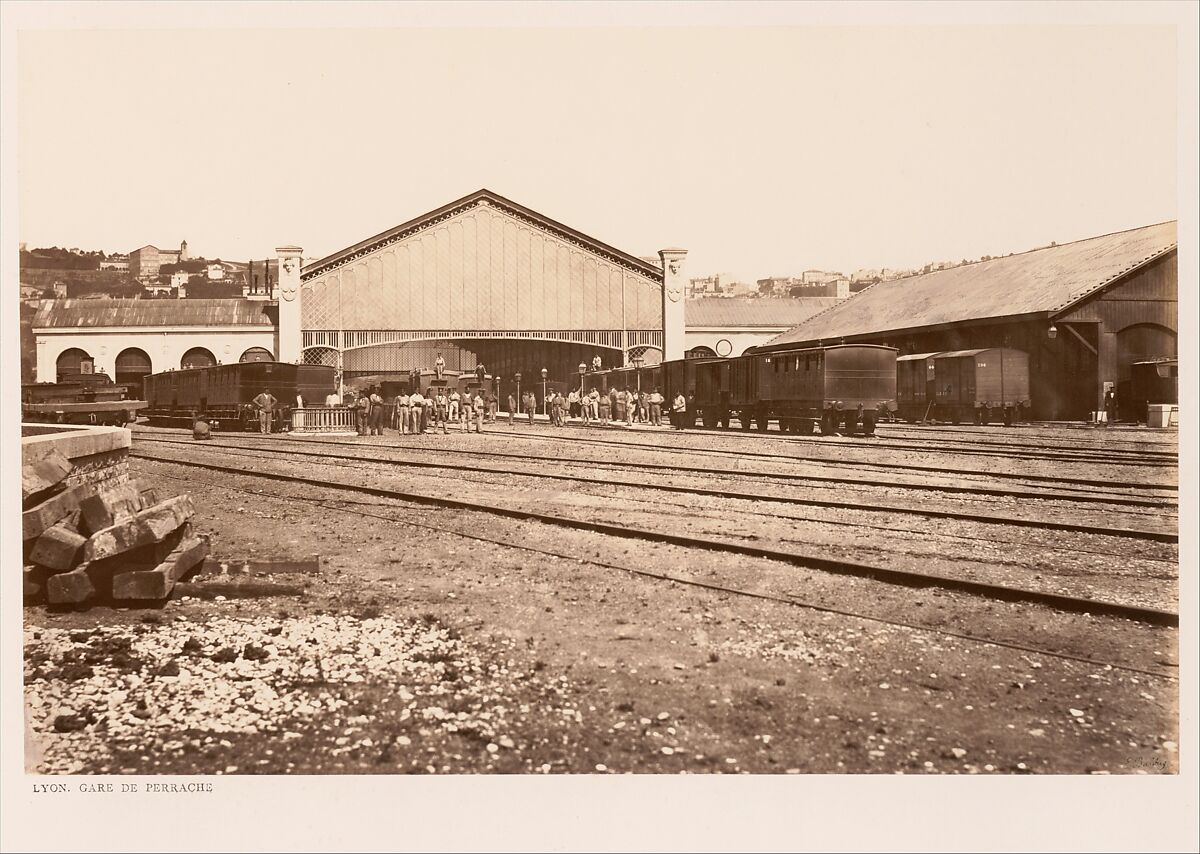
x=672 y=302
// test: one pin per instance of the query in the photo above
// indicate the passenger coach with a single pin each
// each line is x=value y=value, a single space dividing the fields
x=838 y=387
x=224 y=394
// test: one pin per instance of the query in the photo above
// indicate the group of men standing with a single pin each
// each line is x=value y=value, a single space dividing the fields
x=416 y=413
x=617 y=405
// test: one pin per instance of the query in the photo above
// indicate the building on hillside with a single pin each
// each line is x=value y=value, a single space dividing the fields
x=120 y=263
x=215 y=272
x=716 y=285
x=179 y=279
x=723 y=327
x=1084 y=312
x=145 y=262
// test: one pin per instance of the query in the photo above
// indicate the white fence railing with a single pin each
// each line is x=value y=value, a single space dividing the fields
x=323 y=419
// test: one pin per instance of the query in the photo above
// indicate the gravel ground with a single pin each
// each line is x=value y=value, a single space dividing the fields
x=595 y=669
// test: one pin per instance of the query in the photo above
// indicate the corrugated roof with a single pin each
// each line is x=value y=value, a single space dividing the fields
x=1042 y=280
x=74 y=313
x=734 y=312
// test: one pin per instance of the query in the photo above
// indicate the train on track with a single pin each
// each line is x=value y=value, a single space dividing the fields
x=963 y=385
x=223 y=394
x=85 y=399
x=838 y=388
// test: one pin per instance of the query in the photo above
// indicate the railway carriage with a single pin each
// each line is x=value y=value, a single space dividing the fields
x=224 y=394
x=915 y=389
x=977 y=385
x=87 y=399
x=836 y=386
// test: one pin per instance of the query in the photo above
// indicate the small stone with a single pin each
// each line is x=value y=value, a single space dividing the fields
x=645 y=721
x=662 y=716
x=493 y=747
x=1037 y=733
x=505 y=741
x=1076 y=713
x=1170 y=746
x=958 y=752
x=667 y=751
x=793 y=771
x=884 y=685
x=601 y=767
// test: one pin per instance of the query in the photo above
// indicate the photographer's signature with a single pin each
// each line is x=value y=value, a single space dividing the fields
x=1152 y=763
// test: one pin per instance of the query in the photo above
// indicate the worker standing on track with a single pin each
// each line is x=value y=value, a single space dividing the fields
x=416 y=406
x=402 y=413
x=656 y=402
x=376 y=414
x=512 y=408
x=453 y=410
x=427 y=416
x=593 y=405
x=442 y=408
x=478 y=405
x=265 y=404
x=530 y=403
x=678 y=411
x=606 y=402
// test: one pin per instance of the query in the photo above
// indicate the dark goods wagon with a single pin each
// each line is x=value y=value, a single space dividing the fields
x=87 y=399
x=915 y=389
x=679 y=376
x=224 y=394
x=979 y=385
x=838 y=387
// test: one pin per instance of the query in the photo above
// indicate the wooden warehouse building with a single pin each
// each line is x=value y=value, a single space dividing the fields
x=1084 y=312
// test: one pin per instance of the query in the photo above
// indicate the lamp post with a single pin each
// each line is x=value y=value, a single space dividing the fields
x=545 y=410
x=582 y=371
x=637 y=364
x=517 y=377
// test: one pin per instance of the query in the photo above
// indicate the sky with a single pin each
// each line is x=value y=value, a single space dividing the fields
x=761 y=150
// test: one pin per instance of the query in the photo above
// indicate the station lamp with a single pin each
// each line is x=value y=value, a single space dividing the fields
x=545 y=409
x=1052 y=332
x=517 y=377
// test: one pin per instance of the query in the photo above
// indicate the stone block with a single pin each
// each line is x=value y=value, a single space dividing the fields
x=112 y=505
x=59 y=547
x=146 y=527
x=36 y=520
x=33 y=580
x=158 y=582
x=71 y=588
x=42 y=476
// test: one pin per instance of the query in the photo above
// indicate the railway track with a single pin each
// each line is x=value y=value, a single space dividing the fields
x=827 y=442
x=985 y=518
x=1108 y=497
x=900 y=577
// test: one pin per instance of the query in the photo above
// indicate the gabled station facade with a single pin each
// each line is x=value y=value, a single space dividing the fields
x=484 y=280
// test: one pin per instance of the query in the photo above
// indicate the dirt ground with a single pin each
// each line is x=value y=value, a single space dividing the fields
x=419 y=649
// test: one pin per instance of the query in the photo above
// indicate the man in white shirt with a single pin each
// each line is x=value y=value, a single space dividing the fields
x=417 y=410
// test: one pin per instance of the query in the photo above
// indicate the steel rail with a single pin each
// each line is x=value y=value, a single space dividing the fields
x=900 y=577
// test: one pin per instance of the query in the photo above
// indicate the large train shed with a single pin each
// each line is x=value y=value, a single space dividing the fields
x=486 y=280
x=1084 y=312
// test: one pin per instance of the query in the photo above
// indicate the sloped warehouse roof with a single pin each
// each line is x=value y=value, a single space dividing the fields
x=1041 y=281
x=725 y=312
x=88 y=313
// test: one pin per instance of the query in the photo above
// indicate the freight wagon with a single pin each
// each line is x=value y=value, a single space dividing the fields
x=224 y=394
x=838 y=387
x=87 y=399
x=977 y=385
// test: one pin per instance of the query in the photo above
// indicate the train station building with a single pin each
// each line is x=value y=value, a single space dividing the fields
x=129 y=338
x=483 y=280
x=1084 y=312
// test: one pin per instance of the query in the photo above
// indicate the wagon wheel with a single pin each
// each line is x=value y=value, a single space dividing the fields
x=806 y=426
x=762 y=422
x=744 y=419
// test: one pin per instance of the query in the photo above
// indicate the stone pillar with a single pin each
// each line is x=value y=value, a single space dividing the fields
x=672 y=302
x=47 y=370
x=288 y=349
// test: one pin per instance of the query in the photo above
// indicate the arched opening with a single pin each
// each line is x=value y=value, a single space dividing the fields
x=197 y=357
x=257 y=354
x=1142 y=342
x=132 y=366
x=72 y=364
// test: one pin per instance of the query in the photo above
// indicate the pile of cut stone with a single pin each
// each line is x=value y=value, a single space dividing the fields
x=102 y=541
